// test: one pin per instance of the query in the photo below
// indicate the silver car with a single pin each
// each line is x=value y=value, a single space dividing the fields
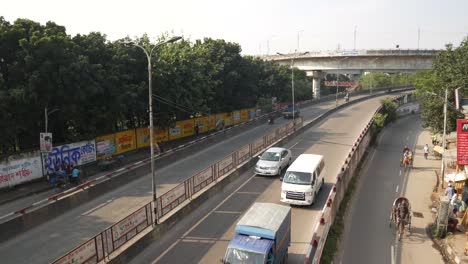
x=273 y=161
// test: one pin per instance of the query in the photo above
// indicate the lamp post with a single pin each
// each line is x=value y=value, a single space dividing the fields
x=150 y=102
x=337 y=79
x=295 y=55
x=442 y=166
x=46 y=114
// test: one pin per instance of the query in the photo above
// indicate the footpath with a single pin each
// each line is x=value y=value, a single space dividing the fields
x=422 y=191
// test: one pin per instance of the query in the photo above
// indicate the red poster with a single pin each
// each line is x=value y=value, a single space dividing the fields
x=462 y=141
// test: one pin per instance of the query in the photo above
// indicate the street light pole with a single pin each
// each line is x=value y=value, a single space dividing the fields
x=150 y=103
x=46 y=114
x=442 y=169
x=295 y=55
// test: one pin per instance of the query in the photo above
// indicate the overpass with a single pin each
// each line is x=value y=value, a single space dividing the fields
x=316 y=64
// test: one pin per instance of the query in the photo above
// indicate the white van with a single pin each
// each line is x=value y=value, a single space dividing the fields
x=303 y=180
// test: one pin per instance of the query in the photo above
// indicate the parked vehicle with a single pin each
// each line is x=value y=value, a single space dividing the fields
x=303 y=180
x=288 y=112
x=262 y=235
x=273 y=161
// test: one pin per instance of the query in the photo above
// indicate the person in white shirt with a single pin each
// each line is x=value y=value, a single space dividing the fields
x=426 y=151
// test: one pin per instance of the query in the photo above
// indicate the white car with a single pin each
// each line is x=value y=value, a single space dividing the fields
x=273 y=161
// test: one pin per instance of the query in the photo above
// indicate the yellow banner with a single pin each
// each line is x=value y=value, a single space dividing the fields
x=125 y=140
x=244 y=115
x=212 y=121
x=161 y=135
x=105 y=146
x=188 y=127
x=202 y=123
x=236 y=117
x=175 y=132
x=228 y=119
x=143 y=137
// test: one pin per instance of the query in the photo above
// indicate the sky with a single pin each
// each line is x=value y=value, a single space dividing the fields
x=259 y=26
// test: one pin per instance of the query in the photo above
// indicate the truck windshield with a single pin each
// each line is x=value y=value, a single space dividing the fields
x=235 y=255
x=270 y=156
x=295 y=177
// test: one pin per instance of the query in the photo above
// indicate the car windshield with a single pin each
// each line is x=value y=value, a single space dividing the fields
x=270 y=156
x=235 y=255
x=295 y=177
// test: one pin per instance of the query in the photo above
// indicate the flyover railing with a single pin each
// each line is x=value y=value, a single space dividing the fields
x=108 y=241
x=348 y=171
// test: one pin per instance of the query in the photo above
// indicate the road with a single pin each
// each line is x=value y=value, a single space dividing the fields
x=61 y=234
x=203 y=236
x=368 y=238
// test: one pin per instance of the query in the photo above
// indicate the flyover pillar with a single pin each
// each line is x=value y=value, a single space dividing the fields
x=316 y=78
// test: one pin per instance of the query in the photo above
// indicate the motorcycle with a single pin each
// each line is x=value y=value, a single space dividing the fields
x=271 y=120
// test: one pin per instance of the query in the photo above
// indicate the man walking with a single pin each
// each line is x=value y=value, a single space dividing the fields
x=449 y=191
x=426 y=151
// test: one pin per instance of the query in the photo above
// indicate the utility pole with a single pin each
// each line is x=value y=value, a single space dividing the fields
x=419 y=36
x=354 y=37
x=442 y=169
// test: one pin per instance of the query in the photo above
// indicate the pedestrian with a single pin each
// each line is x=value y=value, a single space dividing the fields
x=426 y=151
x=454 y=200
x=449 y=191
x=452 y=221
x=75 y=175
x=465 y=193
x=196 y=129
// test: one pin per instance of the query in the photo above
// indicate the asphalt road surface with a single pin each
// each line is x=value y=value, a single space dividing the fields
x=59 y=235
x=204 y=235
x=368 y=237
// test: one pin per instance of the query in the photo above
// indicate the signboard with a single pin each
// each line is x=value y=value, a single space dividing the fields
x=126 y=141
x=130 y=222
x=75 y=153
x=462 y=141
x=45 y=140
x=86 y=253
x=14 y=172
x=105 y=146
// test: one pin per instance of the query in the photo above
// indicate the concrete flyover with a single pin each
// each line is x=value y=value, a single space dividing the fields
x=316 y=64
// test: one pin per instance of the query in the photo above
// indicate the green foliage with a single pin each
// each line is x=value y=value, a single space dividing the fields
x=380 y=120
x=379 y=79
x=101 y=86
x=450 y=71
x=389 y=109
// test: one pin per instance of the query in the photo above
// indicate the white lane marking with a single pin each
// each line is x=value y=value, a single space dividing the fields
x=249 y=192
x=294 y=145
x=400 y=172
x=97 y=207
x=392 y=252
x=228 y=212
x=397 y=188
x=119 y=170
x=200 y=221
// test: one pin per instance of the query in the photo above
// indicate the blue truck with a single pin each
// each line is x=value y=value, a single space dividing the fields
x=262 y=235
x=288 y=111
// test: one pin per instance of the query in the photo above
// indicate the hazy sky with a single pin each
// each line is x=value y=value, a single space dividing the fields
x=323 y=24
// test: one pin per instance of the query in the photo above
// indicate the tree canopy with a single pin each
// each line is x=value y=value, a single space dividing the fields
x=450 y=71
x=101 y=86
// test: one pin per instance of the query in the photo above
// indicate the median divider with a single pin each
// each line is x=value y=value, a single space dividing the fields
x=337 y=193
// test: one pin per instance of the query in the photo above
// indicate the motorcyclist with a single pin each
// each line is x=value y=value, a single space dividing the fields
x=271 y=119
x=406 y=149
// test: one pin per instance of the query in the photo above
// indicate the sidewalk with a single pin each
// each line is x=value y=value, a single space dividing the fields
x=418 y=247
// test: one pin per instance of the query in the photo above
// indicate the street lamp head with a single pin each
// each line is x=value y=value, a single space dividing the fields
x=174 y=39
